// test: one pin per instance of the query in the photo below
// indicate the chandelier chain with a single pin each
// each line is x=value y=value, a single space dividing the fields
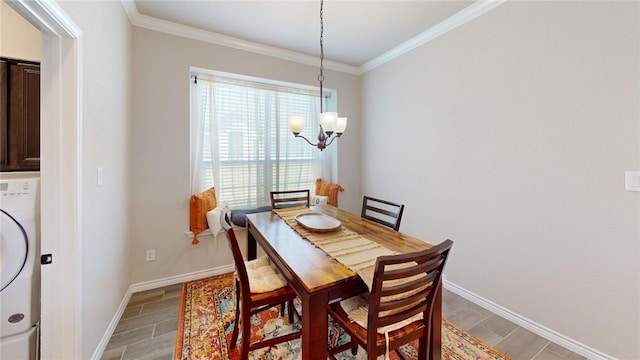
x=335 y=125
x=321 y=76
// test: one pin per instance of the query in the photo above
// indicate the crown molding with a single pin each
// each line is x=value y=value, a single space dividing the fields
x=48 y=15
x=172 y=28
x=465 y=15
x=458 y=19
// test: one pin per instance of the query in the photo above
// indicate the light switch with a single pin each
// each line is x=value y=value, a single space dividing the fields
x=99 y=176
x=632 y=180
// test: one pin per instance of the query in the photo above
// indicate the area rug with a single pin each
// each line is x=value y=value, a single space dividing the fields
x=207 y=318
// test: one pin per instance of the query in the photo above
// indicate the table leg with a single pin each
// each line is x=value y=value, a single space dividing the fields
x=252 y=251
x=314 y=326
x=436 y=327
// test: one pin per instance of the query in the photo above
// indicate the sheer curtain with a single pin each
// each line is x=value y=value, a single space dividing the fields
x=241 y=142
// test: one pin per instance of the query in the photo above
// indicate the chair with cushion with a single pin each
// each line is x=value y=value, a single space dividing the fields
x=280 y=199
x=399 y=308
x=383 y=212
x=259 y=287
x=330 y=190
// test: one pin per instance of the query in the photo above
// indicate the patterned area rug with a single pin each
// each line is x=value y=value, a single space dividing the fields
x=207 y=318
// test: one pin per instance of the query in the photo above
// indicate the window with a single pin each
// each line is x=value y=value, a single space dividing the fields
x=241 y=142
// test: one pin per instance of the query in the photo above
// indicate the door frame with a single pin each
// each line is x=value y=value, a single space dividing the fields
x=60 y=141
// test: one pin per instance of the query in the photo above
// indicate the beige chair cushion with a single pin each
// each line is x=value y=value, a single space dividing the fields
x=357 y=308
x=263 y=276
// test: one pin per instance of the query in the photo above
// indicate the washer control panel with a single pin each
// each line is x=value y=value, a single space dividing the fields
x=19 y=194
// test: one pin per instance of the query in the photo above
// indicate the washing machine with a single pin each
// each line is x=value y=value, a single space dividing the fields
x=19 y=268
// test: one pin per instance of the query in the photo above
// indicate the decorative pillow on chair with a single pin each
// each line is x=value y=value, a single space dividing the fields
x=319 y=200
x=199 y=205
x=213 y=220
x=328 y=189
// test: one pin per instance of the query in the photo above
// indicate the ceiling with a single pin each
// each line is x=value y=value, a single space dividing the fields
x=355 y=32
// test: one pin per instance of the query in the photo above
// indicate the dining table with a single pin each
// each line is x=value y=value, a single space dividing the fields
x=319 y=279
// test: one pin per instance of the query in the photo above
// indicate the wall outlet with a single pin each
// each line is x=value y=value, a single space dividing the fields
x=151 y=255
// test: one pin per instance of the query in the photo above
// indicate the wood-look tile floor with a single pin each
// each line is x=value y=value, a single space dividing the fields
x=148 y=327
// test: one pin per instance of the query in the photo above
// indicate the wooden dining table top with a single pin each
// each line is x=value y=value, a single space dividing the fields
x=313 y=267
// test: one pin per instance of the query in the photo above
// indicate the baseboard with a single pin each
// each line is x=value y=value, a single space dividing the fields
x=528 y=324
x=149 y=285
x=112 y=326
x=154 y=284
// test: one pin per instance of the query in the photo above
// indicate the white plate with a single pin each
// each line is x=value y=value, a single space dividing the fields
x=318 y=222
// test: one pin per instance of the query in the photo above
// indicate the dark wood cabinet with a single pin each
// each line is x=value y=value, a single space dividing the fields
x=19 y=115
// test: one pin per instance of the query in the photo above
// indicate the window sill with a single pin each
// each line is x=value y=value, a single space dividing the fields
x=206 y=232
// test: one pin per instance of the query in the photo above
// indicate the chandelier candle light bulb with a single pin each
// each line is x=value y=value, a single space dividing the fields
x=341 y=125
x=296 y=123
x=329 y=120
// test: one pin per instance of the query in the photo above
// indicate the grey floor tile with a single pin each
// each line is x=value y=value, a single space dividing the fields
x=129 y=337
x=151 y=349
x=563 y=352
x=465 y=319
x=173 y=291
x=164 y=304
x=499 y=325
x=522 y=344
x=451 y=302
x=467 y=316
x=131 y=311
x=487 y=336
x=144 y=320
x=113 y=354
x=145 y=296
x=548 y=355
x=167 y=356
x=166 y=327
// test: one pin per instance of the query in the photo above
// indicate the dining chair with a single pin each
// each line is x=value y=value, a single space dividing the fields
x=280 y=199
x=383 y=212
x=399 y=308
x=259 y=287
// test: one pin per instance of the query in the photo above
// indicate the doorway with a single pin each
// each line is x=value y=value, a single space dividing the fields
x=59 y=172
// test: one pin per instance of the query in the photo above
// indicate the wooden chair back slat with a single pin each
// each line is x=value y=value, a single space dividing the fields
x=383 y=212
x=285 y=198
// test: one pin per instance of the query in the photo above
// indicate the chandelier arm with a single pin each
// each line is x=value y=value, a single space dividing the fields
x=332 y=138
x=305 y=139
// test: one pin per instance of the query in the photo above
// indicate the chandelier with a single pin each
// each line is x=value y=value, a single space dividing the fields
x=330 y=123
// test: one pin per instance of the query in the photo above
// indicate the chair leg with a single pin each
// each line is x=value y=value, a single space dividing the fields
x=424 y=346
x=234 y=336
x=290 y=311
x=246 y=337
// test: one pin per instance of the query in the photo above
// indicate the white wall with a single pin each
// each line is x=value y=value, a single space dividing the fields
x=160 y=155
x=105 y=142
x=18 y=38
x=521 y=125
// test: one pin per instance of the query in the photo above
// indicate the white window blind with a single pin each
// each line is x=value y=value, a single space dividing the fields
x=241 y=142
